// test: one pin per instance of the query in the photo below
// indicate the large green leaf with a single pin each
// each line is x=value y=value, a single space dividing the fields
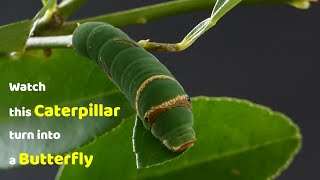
x=236 y=140
x=70 y=81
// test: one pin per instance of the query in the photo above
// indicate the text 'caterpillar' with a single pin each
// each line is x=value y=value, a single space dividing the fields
x=160 y=101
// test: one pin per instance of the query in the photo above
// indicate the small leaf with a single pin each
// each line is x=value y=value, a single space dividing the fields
x=236 y=140
x=220 y=9
x=14 y=36
x=48 y=5
x=71 y=81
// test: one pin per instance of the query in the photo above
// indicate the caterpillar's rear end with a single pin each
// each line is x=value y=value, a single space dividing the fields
x=160 y=101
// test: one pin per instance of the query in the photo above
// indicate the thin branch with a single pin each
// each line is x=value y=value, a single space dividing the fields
x=139 y=15
x=56 y=16
x=162 y=10
x=67 y=7
x=49 y=42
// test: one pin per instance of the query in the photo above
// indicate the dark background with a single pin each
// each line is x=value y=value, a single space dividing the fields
x=268 y=54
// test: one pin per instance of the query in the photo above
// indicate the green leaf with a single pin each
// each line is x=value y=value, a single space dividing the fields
x=48 y=5
x=236 y=140
x=70 y=81
x=148 y=149
x=220 y=9
x=14 y=36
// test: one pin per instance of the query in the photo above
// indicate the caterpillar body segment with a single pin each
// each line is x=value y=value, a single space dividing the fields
x=160 y=101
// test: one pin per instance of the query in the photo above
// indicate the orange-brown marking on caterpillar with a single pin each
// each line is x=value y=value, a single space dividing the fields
x=104 y=67
x=180 y=101
x=184 y=146
x=145 y=84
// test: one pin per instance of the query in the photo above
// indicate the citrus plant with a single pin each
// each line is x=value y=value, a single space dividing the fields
x=236 y=139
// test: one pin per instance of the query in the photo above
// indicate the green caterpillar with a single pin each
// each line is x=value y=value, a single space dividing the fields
x=149 y=86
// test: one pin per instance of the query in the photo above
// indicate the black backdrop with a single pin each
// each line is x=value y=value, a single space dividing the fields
x=268 y=54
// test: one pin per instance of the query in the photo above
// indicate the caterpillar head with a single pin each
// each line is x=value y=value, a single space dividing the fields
x=174 y=128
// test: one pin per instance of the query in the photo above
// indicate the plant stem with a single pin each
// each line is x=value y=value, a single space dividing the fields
x=56 y=16
x=158 y=11
x=49 y=42
x=134 y=16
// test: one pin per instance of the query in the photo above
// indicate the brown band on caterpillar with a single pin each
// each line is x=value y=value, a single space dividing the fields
x=145 y=84
x=103 y=66
x=180 y=101
x=185 y=146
